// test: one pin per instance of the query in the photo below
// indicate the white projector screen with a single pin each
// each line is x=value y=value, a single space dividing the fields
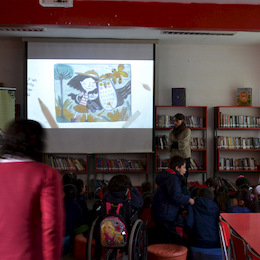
x=92 y=97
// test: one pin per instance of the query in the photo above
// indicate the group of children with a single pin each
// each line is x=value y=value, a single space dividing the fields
x=177 y=213
x=190 y=216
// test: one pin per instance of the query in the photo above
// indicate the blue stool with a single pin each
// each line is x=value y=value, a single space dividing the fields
x=198 y=253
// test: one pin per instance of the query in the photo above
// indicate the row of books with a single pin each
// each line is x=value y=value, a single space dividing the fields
x=163 y=164
x=161 y=142
x=197 y=143
x=238 y=142
x=225 y=182
x=239 y=121
x=194 y=165
x=65 y=163
x=246 y=164
x=190 y=121
x=119 y=165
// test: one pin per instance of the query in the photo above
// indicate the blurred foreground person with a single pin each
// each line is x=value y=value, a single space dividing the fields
x=31 y=197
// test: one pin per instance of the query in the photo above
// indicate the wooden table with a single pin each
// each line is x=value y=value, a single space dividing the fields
x=247 y=225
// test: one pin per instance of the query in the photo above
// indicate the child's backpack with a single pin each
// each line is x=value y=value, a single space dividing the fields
x=113 y=231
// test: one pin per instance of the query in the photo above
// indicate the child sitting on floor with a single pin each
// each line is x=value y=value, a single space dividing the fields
x=241 y=201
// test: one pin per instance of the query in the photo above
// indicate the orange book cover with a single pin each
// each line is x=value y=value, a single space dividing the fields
x=244 y=96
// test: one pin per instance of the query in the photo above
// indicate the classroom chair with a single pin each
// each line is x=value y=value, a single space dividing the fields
x=252 y=255
x=238 y=247
x=224 y=234
x=167 y=252
x=197 y=253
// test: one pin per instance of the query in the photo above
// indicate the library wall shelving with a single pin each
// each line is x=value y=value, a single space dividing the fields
x=237 y=136
x=65 y=163
x=97 y=169
x=121 y=163
x=196 y=120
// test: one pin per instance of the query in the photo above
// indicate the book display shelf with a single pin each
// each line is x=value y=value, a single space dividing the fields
x=121 y=163
x=196 y=120
x=237 y=139
x=74 y=163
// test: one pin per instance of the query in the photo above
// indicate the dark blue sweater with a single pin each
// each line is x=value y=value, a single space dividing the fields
x=202 y=223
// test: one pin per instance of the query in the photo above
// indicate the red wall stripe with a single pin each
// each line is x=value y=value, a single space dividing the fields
x=133 y=14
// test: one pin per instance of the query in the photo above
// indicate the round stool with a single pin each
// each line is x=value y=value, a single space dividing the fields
x=167 y=252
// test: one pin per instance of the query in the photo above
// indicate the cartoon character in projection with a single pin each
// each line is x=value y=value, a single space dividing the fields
x=97 y=93
x=87 y=99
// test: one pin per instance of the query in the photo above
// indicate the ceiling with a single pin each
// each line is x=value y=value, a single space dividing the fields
x=123 y=20
x=162 y=36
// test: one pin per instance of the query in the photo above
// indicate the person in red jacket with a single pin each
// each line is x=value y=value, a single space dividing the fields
x=31 y=197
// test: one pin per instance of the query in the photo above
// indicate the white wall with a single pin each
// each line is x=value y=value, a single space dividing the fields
x=211 y=75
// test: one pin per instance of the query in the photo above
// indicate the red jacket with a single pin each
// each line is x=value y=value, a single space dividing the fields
x=31 y=211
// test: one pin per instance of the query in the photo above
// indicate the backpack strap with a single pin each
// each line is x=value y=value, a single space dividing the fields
x=109 y=205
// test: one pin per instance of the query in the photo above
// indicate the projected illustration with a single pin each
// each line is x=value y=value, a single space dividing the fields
x=92 y=92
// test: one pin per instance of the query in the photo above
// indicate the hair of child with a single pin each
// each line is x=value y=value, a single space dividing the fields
x=211 y=183
x=223 y=197
x=119 y=183
x=70 y=191
x=242 y=182
x=68 y=178
x=243 y=195
x=146 y=186
x=79 y=185
x=24 y=138
x=206 y=193
x=176 y=161
x=194 y=191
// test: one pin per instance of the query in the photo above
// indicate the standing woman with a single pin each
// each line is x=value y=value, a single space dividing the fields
x=179 y=141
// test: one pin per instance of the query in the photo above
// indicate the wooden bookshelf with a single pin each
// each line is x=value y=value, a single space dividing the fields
x=237 y=148
x=121 y=163
x=75 y=163
x=196 y=120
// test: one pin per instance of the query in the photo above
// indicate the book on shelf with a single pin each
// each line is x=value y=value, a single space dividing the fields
x=194 y=164
x=178 y=97
x=190 y=121
x=65 y=163
x=239 y=121
x=225 y=142
x=197 y=143
x=244 y=96
x=245 y=164
x=165 y=121
x=161 y=142
x=119 y=165
x=162 y=163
